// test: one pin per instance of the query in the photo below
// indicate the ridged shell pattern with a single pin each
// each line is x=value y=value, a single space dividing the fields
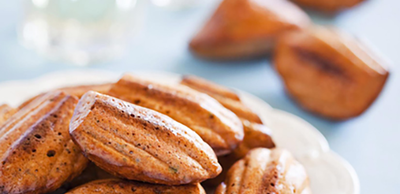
x=266 y=171
x=37 y=154
x=140 y=144
x=255 y=133
x=6 y=112
x=216 y=125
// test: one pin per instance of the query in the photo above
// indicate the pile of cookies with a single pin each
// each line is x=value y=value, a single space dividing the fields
x=326 y=71
x=139 y=136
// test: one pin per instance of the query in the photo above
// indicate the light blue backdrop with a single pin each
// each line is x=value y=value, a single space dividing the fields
x=371 y=142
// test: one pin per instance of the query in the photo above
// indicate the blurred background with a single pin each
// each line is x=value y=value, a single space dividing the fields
x=37 y=37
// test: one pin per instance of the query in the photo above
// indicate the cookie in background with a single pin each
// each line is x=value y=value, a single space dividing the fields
x=329 y=6
x=329 y=72
x=246 y=29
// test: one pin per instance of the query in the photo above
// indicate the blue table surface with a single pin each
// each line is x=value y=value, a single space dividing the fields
x=371 y=142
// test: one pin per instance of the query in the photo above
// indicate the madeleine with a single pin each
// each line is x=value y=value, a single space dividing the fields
x=329 y=73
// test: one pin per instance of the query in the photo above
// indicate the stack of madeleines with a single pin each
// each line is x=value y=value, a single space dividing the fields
x=139 y=136
x=326 y=71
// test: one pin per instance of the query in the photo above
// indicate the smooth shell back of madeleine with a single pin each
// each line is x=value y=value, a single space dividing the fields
x=329 y=6
x=330 y=73
x=246 y=29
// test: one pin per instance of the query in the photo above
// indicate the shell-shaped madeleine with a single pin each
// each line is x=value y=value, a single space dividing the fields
x=255 y=133
x=216 y=125
x=129 y=187
x=223 y=95
x=329 y=72
x=6 y=112
x=266 y=171
x=242 y=29
x=256 y=136
x=37 y=154
x=140 y=144
x=79 y=91
x=209 y=88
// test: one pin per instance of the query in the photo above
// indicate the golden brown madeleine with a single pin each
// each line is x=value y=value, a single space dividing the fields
x=6 y=112
x=37 y=154
x=21 y=106
x=255 y=133
x=223 y=95
x=246 y=28
x=118 y=186
x=77 y=91
x=329 y=73
x=212 y=89
x=329 y=6
x=140 y=144
x=256 y=136
x=241 y=110
x=216 y=125
x=266 y=171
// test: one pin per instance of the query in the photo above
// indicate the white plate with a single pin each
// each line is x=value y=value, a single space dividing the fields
x=328 y=172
